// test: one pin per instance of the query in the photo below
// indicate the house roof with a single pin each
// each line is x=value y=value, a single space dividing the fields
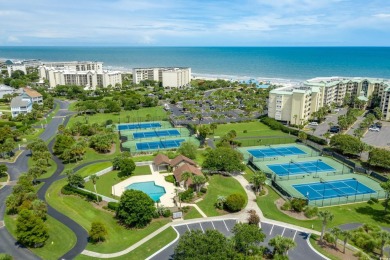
x=181 y=158
x=161 y=159
x=32 y=93
x=19 y=102
x=186 y=168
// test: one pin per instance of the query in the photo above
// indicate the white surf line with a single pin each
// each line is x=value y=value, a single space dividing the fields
x=225 y=225
x=271 y=229
x=296 y=231
x=283 y=231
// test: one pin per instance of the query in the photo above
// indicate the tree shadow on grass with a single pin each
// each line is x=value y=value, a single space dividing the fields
x=378 y=215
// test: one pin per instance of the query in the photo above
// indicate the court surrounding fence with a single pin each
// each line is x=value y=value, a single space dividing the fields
x=266 y=140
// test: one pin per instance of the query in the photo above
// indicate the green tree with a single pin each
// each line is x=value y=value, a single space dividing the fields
x=198 y=181
x=347 y=235
x=281 y=245
x=39 y=208
x=346 y=144
x=378 y=113
x=135 y=209
x=213 y=127
x=30 y=229
x=336 y=232
x=386 y=187
x=384 y=240
x=247 y=238
x=98 y=232
x=188 y=149
x=203 y=131
x=94 y=179
x=211 y=244
x=127 y=166
x=223 y=159
x=258 y=179
x=326 y=217
x=185 y=177
x=379 y=157
x=74 y=179
x=302 y=136
x=3 y=170
x=235 y=202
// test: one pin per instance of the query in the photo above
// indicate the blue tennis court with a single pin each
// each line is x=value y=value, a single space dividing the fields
x=294 y=168
x=331 y=189
x=275 y=151
x=166 y=144
x=134 y=126
x=158 y=133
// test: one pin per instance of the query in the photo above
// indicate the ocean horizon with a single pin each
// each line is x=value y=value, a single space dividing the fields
x=282 y=63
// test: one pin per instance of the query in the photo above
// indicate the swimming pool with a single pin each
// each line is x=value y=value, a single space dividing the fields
x=154 y=191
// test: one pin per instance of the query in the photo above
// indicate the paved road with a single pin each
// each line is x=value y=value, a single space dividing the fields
x=324 y=126
x=379 y=139
x=302 y=251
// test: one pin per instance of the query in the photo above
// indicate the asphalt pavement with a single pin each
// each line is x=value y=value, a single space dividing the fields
x=301 y=251
x=322 y=128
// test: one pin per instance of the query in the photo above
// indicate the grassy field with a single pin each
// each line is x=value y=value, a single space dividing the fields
x=156 y=113
x=248 y=173
x=146 y=249
x=61 y=239
x=85 y=213
x=105 y=182
x=192 y=213
x=93 y=168
x=313 y=241
x=49 y=170
x=351 y=213
x=252 y=129
x=219 y=186
x=4 y=178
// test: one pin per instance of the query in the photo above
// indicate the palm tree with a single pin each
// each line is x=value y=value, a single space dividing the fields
x=347 y=235
x=185 y=177
x=336 y=232
x=281 y=244
x=295 y=118
x=213 y=126
x=94 y=179
x=258 y=180
x=198 y=181
x=327 y=136
x=384 y=240
x=326 y=216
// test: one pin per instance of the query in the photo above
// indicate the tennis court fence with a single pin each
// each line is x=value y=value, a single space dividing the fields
x=265 y=140
x=262 y=159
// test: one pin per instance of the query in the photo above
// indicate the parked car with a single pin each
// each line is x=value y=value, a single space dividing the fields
x=374 y=129
x=337 y=110
x=334 y=129
x=313 y=123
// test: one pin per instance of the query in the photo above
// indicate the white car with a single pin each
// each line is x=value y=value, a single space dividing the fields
x=374 y=129
x=337 y=110
x=313 y=123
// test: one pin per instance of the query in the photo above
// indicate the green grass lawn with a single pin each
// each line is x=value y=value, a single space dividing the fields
x=61 y=239
x=4 y=178
x=252 y=129
x=85 y=213
x=135 y=116
x=94 y=168
x=106 y=181
x=49 y=170
x=146 y=249
x=351 y=213
x=219 y=185
x=192 y=213
x=143 y=158
x=248 y=173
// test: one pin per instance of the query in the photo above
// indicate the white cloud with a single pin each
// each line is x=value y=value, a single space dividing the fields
x=385 y=16
x=13 y=39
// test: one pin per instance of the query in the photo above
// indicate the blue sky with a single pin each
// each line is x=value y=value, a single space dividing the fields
x=195 y=23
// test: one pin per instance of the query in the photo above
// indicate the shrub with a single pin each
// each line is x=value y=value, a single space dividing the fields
x=286 y=205
x=311 y=212
x=166 y=213
x=253 y=218
x=245 y=131
x=187 y=195
x=203 y=190
x=328 y=237
x=109 y=122
x=235 y=202
x=298 y=204
x=170 y=179
x=185 y=209
x=69 y=190
x=113 y=205
x=375 y=200
x=5 y=257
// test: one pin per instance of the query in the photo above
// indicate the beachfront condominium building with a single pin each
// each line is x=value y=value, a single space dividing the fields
x=169 y=77
x=295 y=104
x=87 y=74
x=14 y=67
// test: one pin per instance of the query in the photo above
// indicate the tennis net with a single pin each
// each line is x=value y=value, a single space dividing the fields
x=300 y=166
x=275 y=150
x=333 y=187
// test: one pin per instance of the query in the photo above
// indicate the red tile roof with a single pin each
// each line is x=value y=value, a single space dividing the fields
x=182 y=158
x=161 y=159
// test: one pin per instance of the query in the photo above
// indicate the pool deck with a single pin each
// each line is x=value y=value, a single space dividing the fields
x=166 y=199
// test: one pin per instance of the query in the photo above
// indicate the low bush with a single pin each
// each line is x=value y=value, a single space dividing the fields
x=185 y=209
x=167 y=213
x=311 y=212
x=235 y=202
x=286 y=205
x=170 y=179
x=69 y=190
x=203 y=190
x=187 y=195
x=374 y=200
x=328 y=237
x=298 y=205
x=113 y=205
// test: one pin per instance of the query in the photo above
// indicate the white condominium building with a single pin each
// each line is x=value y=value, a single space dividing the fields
x=15 y=67
x=169 y=77
x=87 y=74
x=295 y=104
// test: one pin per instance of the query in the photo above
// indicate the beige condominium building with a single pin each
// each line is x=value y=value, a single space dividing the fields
x=169 y=77
x=87 y=74
x=295 y=104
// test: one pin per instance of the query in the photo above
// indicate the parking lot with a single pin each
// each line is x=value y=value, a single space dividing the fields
x=301 y=251
x=379 y=139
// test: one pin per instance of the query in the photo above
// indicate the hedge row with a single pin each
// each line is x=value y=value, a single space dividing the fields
x=10 y=124
x=275 y=125
x=113 y=205
x=69 y=190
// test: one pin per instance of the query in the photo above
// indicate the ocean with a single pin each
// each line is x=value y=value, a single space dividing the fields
x=290 y=63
